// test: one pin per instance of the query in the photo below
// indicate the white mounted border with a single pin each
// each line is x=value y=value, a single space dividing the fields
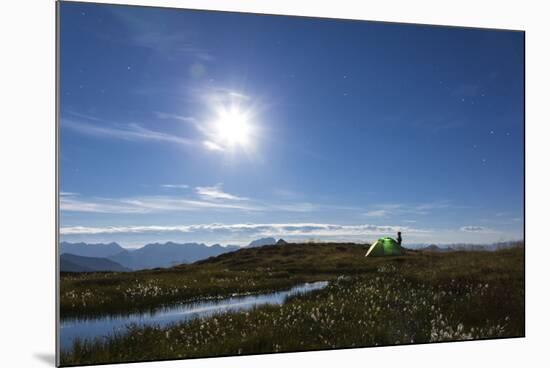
x=27 y=161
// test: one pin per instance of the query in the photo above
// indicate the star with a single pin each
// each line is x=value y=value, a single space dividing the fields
x=129 y=67
x=492 y=132
x=483 y=160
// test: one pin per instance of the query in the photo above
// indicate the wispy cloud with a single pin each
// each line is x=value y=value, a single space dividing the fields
x=238 y=95
x=377 y=213
x=207 y=135
x=392 y=209
x=71 y=204
x=216 y=192
x=212 y=146
x=475 y=229
x=202 y=198
x=215 y=197
x=182 y=118
x=209 y=198
x=175 y=186
x=128 y=132
x=147 y=204
x=213 y=95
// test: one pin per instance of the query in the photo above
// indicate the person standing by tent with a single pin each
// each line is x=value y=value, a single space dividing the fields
x=399 y=238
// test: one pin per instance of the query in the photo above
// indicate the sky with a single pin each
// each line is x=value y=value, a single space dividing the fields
x=194 y=126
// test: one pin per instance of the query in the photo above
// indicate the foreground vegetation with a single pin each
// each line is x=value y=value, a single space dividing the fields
x=419 y=297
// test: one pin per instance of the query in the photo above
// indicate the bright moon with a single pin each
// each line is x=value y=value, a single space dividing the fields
x=233 y=128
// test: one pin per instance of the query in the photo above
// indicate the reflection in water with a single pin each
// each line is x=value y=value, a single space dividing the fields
x=72 y=328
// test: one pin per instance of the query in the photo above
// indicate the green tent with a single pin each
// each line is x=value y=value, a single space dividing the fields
x=384 y=247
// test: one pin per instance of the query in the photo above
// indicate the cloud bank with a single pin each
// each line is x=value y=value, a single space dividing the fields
x=304 y=230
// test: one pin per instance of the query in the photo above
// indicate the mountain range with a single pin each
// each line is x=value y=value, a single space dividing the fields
x=149 y=256
x=84 y=257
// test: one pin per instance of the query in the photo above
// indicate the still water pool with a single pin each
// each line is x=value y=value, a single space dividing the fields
x=72 y=328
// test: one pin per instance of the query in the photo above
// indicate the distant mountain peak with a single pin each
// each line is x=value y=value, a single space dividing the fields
x=262 y=241
x=281 y=242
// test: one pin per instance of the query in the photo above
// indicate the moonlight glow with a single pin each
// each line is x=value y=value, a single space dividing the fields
x=232 y=125
x=232 y=128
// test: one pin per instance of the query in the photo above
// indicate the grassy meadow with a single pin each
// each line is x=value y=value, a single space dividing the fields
x=416 y=298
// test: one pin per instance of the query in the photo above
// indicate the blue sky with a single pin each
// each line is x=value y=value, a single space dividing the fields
x=222 y=128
